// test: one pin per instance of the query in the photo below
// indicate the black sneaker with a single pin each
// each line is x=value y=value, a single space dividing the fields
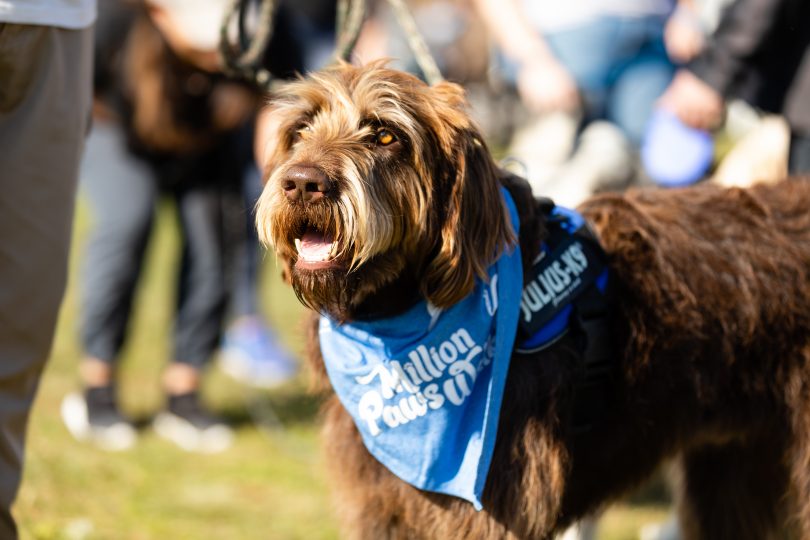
x=188 y=425
x=93 y=416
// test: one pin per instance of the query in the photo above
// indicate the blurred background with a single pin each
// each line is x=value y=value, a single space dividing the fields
x=171 y=296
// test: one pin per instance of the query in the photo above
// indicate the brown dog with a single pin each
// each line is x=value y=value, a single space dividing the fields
x=381 y=192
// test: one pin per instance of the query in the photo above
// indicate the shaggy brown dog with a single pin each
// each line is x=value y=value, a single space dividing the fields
x=711 y=318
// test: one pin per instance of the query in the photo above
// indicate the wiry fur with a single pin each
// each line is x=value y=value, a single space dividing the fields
x=711 y=321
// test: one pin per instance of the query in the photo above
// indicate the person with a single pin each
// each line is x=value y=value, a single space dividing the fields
x=45 y=100
x=594 y=69
x=166 y=123
x=188 y=132
x=760 y=52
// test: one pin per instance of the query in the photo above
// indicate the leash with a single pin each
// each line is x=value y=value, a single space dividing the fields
x=242 y=57
x=417 y=43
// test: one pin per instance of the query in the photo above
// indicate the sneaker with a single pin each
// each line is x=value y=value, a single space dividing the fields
x=188 y=425
x=252 y=355
x=93 y=416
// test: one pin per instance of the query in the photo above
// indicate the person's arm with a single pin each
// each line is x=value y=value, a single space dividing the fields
x=543 y=82
x=508 y=26
x=684 y=36
x=744 y=29
x=697 y=94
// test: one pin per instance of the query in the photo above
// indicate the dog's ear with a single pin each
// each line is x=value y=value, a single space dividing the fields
x=473 y=219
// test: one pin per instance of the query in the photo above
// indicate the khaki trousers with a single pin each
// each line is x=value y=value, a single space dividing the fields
x=45 y=100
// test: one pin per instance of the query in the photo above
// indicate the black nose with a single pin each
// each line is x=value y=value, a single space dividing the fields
x=305 y=183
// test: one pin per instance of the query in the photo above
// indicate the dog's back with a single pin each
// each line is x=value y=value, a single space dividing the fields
x=730 y=267
x=713 y=288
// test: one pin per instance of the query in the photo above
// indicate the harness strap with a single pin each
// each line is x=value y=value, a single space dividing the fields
x=582 y=307
x=593 y=387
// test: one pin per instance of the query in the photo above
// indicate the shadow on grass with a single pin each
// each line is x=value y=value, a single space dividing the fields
x=289 y=409
x=276 y=409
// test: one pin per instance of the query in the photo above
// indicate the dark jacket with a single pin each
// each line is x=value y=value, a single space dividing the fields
x=760 y=52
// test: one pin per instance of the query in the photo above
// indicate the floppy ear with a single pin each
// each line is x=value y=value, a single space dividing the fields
x=474 y=221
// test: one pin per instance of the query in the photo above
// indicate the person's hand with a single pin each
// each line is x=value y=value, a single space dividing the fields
x=545 y=85
x=683 y=35
x=693 y=101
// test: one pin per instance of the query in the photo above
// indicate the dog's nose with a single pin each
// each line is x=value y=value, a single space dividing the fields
x=306 y=183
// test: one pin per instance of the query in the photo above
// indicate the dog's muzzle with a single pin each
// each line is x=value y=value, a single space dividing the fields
x=306 y=185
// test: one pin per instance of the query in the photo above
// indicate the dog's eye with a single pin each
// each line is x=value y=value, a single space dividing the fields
x=303 y=132
x=385 y=137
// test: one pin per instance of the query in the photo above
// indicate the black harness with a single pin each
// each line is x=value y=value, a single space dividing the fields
x=567 y=291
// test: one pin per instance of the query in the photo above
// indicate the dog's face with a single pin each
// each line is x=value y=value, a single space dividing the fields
x=376 y=176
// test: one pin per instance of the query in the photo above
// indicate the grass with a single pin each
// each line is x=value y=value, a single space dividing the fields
x=269 y=485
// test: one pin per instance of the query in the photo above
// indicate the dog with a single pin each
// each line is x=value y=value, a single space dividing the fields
x=381 y=193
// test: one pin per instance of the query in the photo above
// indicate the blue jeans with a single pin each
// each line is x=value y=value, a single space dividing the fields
x=620 y=66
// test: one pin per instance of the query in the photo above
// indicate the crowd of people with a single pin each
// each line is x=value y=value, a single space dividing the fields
x=586 y=95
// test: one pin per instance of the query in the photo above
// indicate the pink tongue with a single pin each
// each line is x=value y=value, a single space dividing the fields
x=315 y=246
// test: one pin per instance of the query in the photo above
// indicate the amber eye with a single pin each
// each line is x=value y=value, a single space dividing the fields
x=385 y=137
x=303 y=132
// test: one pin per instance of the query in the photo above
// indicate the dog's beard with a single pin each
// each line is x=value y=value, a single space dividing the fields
x=338 y=293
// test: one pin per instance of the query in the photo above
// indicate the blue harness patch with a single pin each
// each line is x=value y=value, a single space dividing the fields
x=569 y=263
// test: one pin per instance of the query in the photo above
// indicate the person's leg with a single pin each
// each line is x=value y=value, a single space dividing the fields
x=251 y=352
x=121 y=192
x=642 y=72
x=45 y=99
x=211 y=221
x=588 y=52
x=244 y=293
x=799 y=154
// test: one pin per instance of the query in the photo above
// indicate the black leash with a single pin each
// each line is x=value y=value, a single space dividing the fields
x=241 y=56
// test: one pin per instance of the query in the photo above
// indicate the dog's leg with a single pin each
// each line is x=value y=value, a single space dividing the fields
x=798 y=397
x=369 y=500
x=732 y=491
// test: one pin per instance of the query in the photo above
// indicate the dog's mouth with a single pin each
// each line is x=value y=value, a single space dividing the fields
x=317 y=249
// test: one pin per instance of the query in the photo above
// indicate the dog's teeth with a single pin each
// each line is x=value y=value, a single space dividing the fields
x=313 y=251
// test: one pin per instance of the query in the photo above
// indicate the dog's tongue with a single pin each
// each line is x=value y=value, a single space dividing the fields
x=315 y=246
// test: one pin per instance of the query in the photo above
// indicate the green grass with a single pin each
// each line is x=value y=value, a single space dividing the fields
x=269 y=485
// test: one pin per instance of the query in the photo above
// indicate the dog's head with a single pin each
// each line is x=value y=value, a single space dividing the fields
x=378 y=181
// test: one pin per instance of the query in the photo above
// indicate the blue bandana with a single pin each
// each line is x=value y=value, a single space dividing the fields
x=425 y=387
